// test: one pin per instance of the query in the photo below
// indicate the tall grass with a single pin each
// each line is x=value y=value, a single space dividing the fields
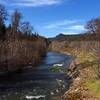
x=16 y=54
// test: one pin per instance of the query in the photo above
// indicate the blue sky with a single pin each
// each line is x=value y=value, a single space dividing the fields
x=51 y=17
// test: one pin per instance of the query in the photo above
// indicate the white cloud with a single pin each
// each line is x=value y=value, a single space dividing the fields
x=75 y=27
x=65 y=26
x=31 y=3
x=70 y=33
x=59 y=24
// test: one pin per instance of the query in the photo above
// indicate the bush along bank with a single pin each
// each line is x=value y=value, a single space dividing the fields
x=84 y=71
x=18 y=54
x=20 y=45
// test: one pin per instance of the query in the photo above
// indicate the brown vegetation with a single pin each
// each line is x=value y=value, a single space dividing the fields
x=19 y=47
x=85 y=70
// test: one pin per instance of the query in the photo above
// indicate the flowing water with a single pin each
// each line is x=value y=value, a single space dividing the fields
x=45 y=82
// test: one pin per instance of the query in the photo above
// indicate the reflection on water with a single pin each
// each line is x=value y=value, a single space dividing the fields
x=42 y=83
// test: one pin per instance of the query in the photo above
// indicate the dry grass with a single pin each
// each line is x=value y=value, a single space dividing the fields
x=87 y=53
x=16 y=53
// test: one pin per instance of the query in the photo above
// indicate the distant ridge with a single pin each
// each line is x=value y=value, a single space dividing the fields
x=78 y=37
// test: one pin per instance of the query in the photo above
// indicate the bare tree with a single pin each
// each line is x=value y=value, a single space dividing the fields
x=16 y=18
x=3 y=17
x=93 y=26
x=3 y=14
x=26 y=28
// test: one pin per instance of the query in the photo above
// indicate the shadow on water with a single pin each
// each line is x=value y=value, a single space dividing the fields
x=45 y=82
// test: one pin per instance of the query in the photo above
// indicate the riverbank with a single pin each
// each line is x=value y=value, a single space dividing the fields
x=17 y=54
x=85 y=86
x=83 y=71
x=20 y=45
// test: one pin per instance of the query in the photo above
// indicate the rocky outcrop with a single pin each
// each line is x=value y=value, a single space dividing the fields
x=77 y=90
